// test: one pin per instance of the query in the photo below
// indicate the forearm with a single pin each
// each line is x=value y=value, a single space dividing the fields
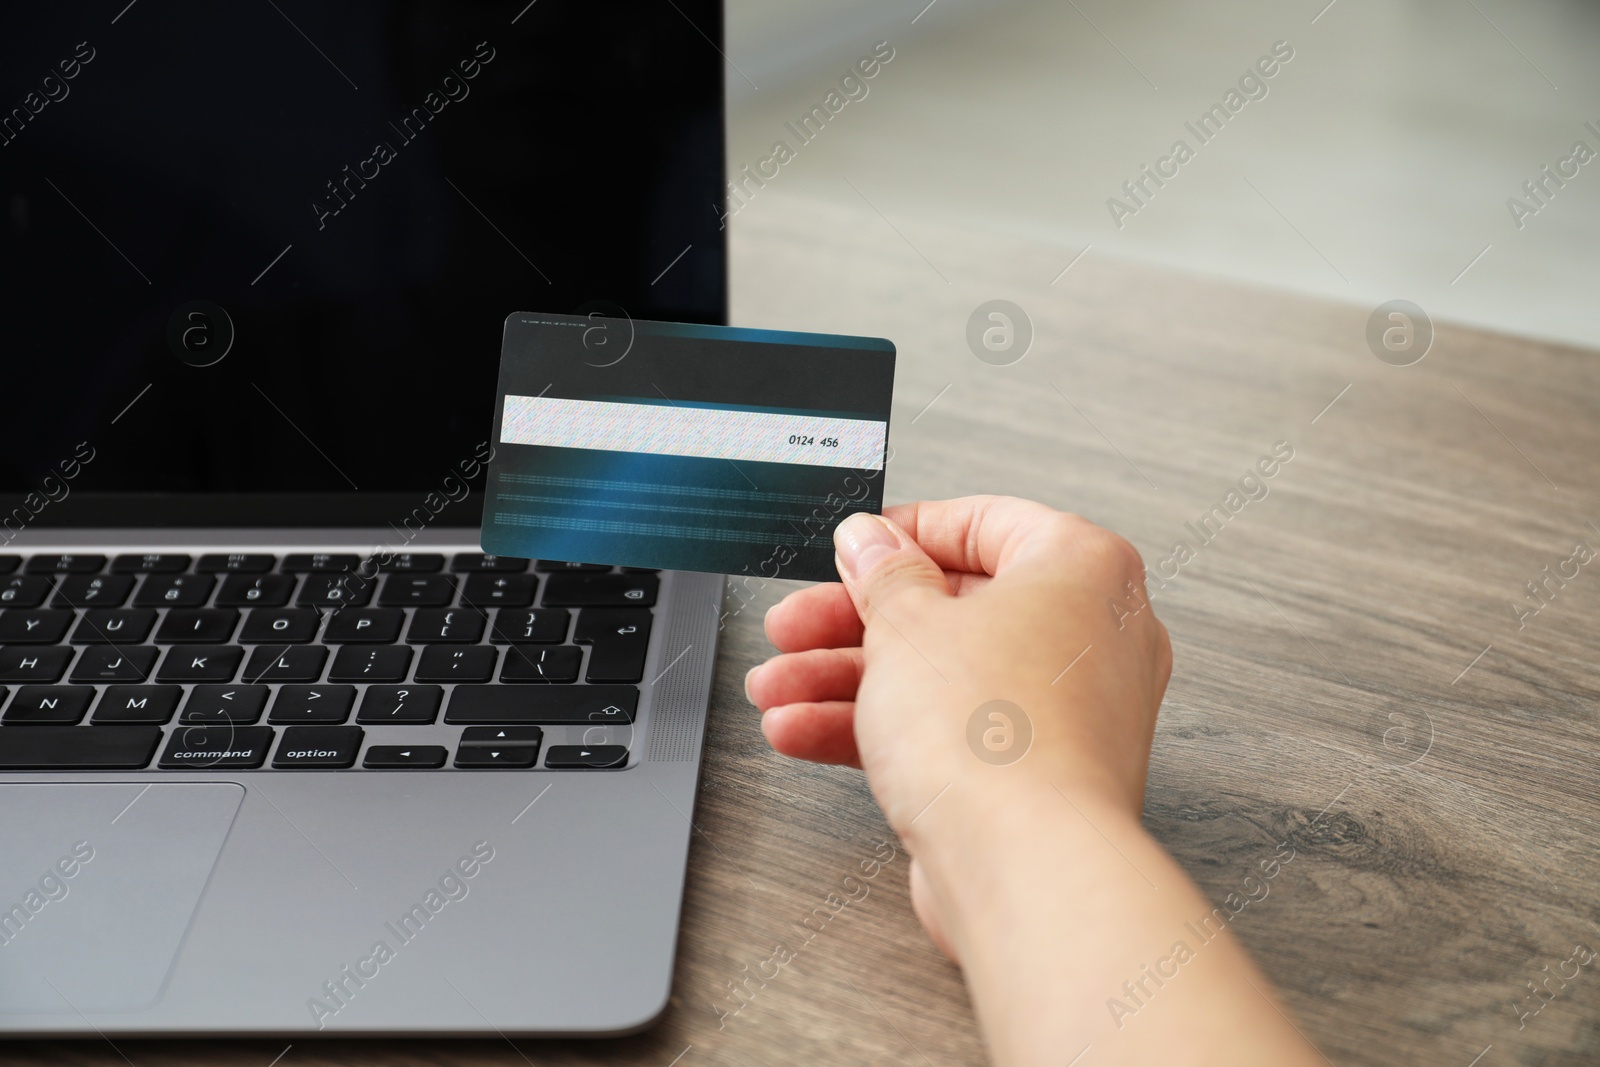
x=1076 y=929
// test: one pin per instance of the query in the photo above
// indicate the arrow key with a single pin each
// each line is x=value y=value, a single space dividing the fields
x=222 y=704
x=405 y=757
x=587 y=757
x=476 y=756
x=474 y=736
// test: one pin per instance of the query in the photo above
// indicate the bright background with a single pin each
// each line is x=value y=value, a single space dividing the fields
x=1381 y=160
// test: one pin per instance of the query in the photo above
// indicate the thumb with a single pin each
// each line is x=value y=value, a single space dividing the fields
x=881 y=564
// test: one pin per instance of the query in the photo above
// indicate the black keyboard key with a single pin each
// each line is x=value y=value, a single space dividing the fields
x=150 y=705
x=93 y=590
x=618 y=639
x=289 y=626
x=335 y=591
x=502 y=735
x=34 y=626
x=511 y=756
x=114 y=626
x=418 y=590
x=448 y=663
x=408 y=705
x=74 y=748
x=201 y=663
x=559 y=566
x=285 y=663
x=586 y=757
x=61 y=705
x=371 y=626
x=405 y=757
x=211 y=747
x=557 y=664
x=500 y=590
x=313 y=703
x=197 y=626
x=33 y=664
x=114 y=663
x=431 y=626
x=9 y=563
x=574 y=705
x=255 y=590
x=477 y=561
x=542 y=626
x=387 y=663
x=235 y=563
x=25 y=591
x=208 y=705
x=412 y=563
x=155 y=563
x=318 y=747
x=68 y=564
x=601 y=590
x=320 y=562
x=174 y=591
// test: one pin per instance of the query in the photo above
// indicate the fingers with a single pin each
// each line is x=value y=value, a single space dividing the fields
x=822 y=732
x=818 y=616
x=978 y=534
x=882 y=566
x=808 y=703
x=824 y=616
x=804 y=677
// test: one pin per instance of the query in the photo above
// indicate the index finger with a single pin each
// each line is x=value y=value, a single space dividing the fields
x=980 y=534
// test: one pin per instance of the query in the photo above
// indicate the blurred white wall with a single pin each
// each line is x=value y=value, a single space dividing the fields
x=778 y=41
x=1378 y=165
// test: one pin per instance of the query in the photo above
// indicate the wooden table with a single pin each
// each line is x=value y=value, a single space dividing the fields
x=1350 y=672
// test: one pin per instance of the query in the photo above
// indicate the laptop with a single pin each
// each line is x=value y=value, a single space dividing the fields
x=282 y=751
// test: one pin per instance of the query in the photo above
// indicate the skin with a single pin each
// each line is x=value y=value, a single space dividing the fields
x=1036 y=876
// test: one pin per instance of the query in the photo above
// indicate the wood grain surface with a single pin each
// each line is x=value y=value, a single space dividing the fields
x=1350 y=673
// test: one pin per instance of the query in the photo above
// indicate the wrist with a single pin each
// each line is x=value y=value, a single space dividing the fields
x=985 y=845
x=986 y=812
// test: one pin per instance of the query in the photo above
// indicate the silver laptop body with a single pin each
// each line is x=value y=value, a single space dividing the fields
x=359 y=902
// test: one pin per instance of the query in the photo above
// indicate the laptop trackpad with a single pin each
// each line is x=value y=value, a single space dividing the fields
x=97 y=884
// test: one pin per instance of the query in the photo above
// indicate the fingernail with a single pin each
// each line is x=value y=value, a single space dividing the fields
x=862 y=540
x=747 y=675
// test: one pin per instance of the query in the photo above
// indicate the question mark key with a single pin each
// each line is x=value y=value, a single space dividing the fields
x=408 y=705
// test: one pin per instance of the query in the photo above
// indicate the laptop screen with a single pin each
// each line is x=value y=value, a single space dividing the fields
x=257 y=256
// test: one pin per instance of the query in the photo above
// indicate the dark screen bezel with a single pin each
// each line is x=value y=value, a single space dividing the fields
x=226 y=510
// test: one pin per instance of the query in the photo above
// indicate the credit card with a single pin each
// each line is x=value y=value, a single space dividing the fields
x=684 y=447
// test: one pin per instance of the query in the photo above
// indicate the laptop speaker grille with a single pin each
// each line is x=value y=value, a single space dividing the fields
x=677 y=722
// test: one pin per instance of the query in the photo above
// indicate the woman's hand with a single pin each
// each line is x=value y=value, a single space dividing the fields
x=949 y=606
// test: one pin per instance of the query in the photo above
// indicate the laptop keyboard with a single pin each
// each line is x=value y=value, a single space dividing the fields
x=247 y=661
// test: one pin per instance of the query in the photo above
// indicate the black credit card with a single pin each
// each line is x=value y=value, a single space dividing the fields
x=684 y=447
